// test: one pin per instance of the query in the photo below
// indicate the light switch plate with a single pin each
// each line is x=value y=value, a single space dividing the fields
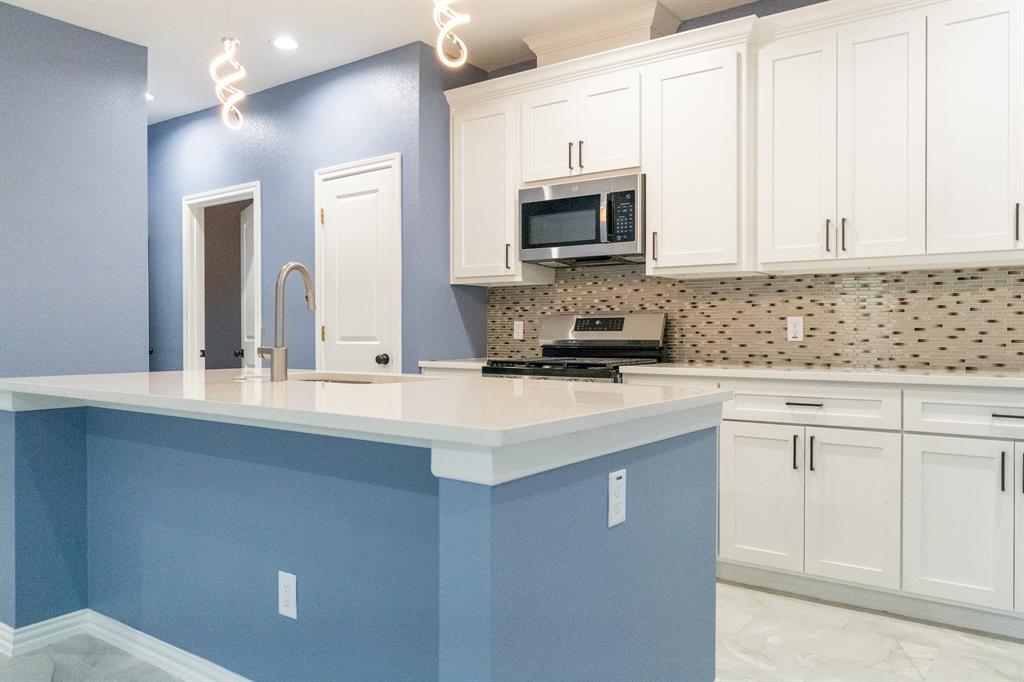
x=286 y=602
x=795 y=328
x=517 y=330
x=616 y=497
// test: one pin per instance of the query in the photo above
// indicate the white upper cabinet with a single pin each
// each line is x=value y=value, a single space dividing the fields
x=588 y=126
x=796 y=134
x=691 y=149
x=958 y=519
x=975 y=126
x=853 y=506
x=881 y=137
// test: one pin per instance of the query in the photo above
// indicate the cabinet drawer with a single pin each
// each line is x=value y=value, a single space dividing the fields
x=814 y=405
x=997 y=414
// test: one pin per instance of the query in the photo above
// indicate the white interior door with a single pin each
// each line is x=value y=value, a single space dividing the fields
x=958 y=519
x=797 y=148
x=852 y=501
x=550 y=133
x=250 y=285
x=975 y=134
x=609 y=123
x=881 y=137
x=691 y=157
x=761 y=494
x=359 y=268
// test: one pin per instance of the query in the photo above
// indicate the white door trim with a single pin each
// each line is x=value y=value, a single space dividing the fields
x=322 y=175
x=193 y=276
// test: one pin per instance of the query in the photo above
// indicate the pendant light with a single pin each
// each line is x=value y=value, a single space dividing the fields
x=227 y=93
x=447 y=20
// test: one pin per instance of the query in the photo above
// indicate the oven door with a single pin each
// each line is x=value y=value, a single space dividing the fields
x=571 y=220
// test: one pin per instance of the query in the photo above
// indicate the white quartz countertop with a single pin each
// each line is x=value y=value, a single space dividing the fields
x=472 y=410
x=907 y=378
x=465 y=363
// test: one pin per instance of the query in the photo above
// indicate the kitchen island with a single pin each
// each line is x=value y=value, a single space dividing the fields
x=452 y=529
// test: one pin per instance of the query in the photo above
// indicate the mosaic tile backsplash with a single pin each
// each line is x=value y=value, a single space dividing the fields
x=969 y=320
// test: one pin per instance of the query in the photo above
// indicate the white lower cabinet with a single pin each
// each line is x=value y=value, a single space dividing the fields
x=852 y=506
x=958 y=499
x=761 y=494
x=1018 y=487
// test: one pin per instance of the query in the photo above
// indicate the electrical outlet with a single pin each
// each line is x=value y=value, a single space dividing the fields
x=795 y=328
x=517 y=330
x=616 y=497
x=286 y=602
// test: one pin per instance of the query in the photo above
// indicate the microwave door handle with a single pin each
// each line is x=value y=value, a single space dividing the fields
x=607 y=209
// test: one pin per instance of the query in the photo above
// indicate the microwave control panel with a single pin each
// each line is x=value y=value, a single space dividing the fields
x=622 y=216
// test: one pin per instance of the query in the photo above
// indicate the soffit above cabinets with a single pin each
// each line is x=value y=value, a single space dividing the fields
x=183 y=35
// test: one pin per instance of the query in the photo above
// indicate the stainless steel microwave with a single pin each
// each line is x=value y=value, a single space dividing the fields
x=589 y=221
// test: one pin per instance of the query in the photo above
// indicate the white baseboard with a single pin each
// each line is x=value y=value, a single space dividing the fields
x=901 y=604
x=167 y=657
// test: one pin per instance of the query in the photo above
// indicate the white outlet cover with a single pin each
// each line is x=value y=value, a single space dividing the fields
x=287 y=604
x=616 y=497
x=795 y=328
x=517 y=330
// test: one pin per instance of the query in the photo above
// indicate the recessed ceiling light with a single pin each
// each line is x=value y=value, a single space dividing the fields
x=149 y=97
x=284 y=42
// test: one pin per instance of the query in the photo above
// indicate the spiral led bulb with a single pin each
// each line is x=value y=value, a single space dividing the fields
x=227 y=93
x=447 y=20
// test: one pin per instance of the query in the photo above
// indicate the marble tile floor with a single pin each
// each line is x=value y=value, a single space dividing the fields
x=770 y=637
x=761 y=636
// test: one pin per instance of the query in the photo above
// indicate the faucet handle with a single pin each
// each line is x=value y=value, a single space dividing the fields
x=264 y=352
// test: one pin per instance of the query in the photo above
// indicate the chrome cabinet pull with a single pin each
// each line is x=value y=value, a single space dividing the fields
x=570 y=156
x=812 y=453
x=654 y=245
x=844 y=235
x=795 y=436
x=508 y=259
x=579 y=155
x=828 y=230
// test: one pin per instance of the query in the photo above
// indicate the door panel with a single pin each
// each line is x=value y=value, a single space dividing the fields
x=881 y=138
x=797 y=148
x=609 y=122
x=1018 y=487
x=691 y=157
x=483 y=202
x=958 y=519
x=360 y=272
x=975 y=135
x=761 y=493
x=852 y=501
x=250 y=290
x=549 y=128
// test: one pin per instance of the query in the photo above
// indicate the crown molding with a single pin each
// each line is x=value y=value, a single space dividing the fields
x=829 y=14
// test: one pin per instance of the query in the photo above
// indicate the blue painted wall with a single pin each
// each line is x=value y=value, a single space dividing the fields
x=73 y=281
x=388 y=103
x=532 y=567
x=190 y=521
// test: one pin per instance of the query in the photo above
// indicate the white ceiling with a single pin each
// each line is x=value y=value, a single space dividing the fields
x=183 y=35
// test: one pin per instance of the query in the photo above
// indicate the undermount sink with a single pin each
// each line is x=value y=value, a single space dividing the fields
x=356 y=378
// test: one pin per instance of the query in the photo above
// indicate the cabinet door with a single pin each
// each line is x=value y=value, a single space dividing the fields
x=1018 y=487
x=550 y=134
x=691 y=157
x=484 y=178
x=975 y=145
x=852 y=502
x=881 y=137
x=609 y=123
x=958 y=519
x=796 y=193
x=761 y=494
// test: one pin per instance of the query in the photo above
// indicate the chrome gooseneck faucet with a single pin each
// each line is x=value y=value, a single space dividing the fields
x=278 y=354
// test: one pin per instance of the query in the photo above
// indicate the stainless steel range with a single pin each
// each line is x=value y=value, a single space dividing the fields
x=589 y=347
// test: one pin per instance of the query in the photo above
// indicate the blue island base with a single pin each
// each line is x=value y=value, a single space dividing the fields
x=177 y=528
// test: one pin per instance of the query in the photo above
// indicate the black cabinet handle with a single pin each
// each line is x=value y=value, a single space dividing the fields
x=844 y=235
x=1002 y=471
x=570 y=156
x=1007 y=416
x=579 y=155
x=795 y=436
x=1016 y=222
x=654 y=246
x=828 y=235
x=812 y=453
x=508 y=256
x=796 y=404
